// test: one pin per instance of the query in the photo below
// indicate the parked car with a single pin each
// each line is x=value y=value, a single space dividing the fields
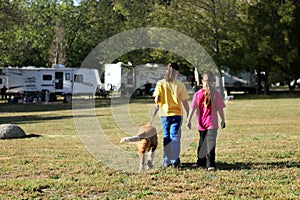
x=145 y=90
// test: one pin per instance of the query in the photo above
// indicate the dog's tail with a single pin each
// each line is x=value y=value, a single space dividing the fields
x=130 y=139
x=145 y=131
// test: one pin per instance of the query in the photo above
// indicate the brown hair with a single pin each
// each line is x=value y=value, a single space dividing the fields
x=171 y=71
x=209 y=78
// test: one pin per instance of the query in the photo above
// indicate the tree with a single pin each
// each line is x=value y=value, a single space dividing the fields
x=10 y=17
x=97 y=22
x=28 y=41
x=268 y=40
x=287 y=54
x=259 y=36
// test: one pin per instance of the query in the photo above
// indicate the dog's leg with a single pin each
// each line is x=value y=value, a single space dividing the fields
x=142 y=162
x=150 y=159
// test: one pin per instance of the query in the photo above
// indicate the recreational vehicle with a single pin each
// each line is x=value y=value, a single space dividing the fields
x=47 y=82
x=241 y=81
x=118 y=77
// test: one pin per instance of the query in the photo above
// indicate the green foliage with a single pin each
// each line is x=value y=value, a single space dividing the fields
x=269 y=27
x=260 y=35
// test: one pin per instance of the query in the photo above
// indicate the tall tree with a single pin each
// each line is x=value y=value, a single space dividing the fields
x=267 y=40
x=31 y=37
x=11 y=17
x=97 y=22
x=287 y=47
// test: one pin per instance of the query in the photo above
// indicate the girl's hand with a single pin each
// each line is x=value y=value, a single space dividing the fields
x=188 y=125
x=223 y=124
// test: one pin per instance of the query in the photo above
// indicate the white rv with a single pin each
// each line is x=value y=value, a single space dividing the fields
x=242 y=81
x=112 y=76
x=57 y=80
x=118 y=77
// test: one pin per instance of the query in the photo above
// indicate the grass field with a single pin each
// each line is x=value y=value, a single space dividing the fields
x=258 y=155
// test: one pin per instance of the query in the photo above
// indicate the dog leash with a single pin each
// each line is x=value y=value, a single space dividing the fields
x=155 y=111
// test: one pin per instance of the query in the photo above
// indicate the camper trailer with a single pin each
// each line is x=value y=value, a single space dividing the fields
x=132 y=80
x=241 y=81
x=46 y=82
x=117 y=75
x=112 y=76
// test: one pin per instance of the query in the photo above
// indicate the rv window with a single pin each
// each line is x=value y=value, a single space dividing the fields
x=67 y=76
x=0 y=71
x=78 y=78
x=1 y=81
x=47 y=77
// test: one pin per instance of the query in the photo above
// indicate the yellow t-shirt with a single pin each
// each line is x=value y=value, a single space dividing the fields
x=171 y=94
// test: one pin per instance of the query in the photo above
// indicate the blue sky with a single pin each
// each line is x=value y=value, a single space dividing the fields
x=76 y=2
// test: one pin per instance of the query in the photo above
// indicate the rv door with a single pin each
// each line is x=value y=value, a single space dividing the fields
x=59 y=80
x=63 y=82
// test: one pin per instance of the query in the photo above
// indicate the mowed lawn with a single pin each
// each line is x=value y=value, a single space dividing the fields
x=258 y=155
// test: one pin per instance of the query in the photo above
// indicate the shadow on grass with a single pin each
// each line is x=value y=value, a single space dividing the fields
x=31 y=135
x=31 y=119
x=273 y=95
x=52 y=106
x=247 y=166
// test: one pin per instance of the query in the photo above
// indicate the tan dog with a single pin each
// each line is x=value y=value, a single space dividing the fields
x=146 y=139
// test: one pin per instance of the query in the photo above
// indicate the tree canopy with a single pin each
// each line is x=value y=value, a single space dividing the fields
x=252 y=35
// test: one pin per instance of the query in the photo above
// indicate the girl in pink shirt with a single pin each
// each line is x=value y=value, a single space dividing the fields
x=207 y=102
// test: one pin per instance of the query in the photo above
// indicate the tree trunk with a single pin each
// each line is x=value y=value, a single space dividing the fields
x=266 y=84
x=292 y=87
x=258 y=86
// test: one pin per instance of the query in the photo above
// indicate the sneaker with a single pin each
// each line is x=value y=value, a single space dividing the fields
x=201 y=163
x=175 y=165
x=211 y=169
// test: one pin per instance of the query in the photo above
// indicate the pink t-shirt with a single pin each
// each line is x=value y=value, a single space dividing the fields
x=206 y=117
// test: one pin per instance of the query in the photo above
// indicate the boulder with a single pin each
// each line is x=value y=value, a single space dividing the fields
x=10 y=131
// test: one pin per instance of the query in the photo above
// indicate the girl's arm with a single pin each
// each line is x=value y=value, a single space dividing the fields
x=221 y=113
x=192 y=109
x=186 y=106
x=157 y=99
x=189 y=118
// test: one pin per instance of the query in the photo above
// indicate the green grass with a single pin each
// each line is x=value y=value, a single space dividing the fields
x=257 y=156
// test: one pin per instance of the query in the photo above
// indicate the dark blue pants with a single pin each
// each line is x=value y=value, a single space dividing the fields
x=207 y=148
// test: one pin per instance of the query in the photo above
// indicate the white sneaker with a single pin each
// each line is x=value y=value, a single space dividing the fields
x=211 y=169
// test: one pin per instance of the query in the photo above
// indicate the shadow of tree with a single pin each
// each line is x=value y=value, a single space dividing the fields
x=31 y=119
x=52 y=106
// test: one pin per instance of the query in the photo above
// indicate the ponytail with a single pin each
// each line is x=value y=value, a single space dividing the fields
x=208 y=77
